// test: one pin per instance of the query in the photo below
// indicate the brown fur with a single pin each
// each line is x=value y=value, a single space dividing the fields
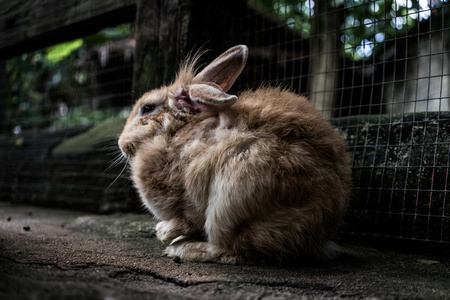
x=265 y=175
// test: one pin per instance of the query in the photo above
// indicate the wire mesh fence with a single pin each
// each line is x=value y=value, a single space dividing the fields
x=379 y=70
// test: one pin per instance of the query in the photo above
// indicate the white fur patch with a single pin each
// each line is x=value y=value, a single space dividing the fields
x=172 y=104
x=224 y=201
x=165 y=231
x=224 y=121
x=172 y=100
x=193 y=147
x=166 y=123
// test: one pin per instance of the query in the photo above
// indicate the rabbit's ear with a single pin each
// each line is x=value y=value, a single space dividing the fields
x=210 y=95
x=224 y=70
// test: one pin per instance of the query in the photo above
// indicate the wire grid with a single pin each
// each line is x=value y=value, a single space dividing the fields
x=390 y=97
x=388 y=93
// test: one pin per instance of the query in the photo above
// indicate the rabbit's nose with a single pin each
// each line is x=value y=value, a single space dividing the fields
x=127 y=148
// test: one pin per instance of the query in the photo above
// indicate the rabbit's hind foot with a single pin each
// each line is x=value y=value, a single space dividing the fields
x=200 y=252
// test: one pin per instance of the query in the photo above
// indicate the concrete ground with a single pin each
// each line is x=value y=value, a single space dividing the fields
x=62 y=254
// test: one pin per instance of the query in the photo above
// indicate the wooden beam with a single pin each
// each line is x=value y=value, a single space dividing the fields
x=3 y=124
x=26 y=26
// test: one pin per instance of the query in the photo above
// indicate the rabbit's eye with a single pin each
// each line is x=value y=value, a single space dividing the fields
x=147 y=108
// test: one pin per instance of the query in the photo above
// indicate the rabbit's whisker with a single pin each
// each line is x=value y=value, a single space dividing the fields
x=115 y=162
x=118 y=160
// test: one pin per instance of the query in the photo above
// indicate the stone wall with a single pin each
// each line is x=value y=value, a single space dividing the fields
x=66 y=168
x=400 y=174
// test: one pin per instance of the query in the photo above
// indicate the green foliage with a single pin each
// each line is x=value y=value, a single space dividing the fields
x=61 y=51
x=40 y=84
x=83 y=115
x=25 y=88
x=296 y=13
x=367 y=24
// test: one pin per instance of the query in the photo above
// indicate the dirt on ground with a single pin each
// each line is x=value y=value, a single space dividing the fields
x=62 y=254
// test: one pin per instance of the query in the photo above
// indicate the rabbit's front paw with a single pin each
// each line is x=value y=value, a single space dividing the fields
x=166 y=231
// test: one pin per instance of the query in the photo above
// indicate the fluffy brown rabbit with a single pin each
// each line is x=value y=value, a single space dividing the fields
x=233 y=178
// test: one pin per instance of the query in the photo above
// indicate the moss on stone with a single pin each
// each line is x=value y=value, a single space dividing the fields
x=400 y=167
x=103 y=132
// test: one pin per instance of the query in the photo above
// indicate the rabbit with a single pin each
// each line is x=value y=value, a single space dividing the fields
x=235 y=178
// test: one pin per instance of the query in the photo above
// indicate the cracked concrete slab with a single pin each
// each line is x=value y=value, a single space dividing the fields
x=62 y=254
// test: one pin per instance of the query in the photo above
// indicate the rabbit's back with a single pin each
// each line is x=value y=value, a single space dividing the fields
x=293 y=120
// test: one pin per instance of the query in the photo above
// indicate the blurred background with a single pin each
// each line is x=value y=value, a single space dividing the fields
x=379 y=70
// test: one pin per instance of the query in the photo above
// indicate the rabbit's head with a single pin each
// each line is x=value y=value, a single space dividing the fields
x=167 y=109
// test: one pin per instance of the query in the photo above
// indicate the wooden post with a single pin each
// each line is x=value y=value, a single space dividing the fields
x=2 y=97
x=325 y=60
x=166 y=31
